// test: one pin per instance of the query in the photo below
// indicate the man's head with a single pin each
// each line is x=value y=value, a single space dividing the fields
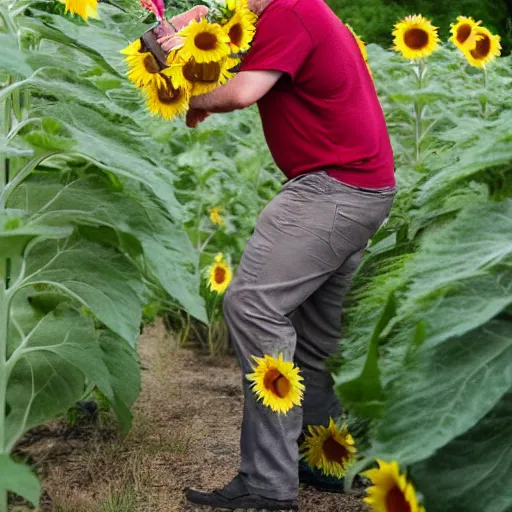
x=258 y=6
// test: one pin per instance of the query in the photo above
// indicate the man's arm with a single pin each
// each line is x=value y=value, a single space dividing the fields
x=242 y=91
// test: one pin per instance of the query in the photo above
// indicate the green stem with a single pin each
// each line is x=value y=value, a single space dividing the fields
x=210 y=325
x=484 y=104
x=418 y=111
x=4 y=324
x=185 y=332
x=22 y=175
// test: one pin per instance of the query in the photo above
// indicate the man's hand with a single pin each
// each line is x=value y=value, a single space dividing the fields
x=197 y=13
x=196 y=116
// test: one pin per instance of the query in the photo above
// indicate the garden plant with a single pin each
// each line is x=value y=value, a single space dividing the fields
x=108 y=214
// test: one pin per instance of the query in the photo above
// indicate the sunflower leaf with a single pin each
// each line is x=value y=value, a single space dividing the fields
x=18 y=478
x=364 y=393
x=473 y=472
x=444 y=391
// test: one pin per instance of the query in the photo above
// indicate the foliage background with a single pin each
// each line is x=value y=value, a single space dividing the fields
x=372 y=19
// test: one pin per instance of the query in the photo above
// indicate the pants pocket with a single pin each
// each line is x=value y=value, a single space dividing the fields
x=356 y=221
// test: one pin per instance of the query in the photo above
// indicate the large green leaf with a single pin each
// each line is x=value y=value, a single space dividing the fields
x=99 y=277
x=15 y=233
x=104 y=45
x=443 y=391
x=479 y=238
x=474 y=472
x=493 y=149
x=49 y=361
x=113 y=147
x=362 y=391
x=124 y=375
x=12 y=59
x=168 y=253
x=18 y=479
x=459 y=307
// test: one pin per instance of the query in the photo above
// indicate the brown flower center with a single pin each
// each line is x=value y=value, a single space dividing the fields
x=416 y=39
x=482 y=49
x=335 y=451
x=206 y=72
x=206 y=41
x=167 y=93
x=463 y=32
x=276 y=382
x=151 y=64
x=219 y=275
x=235 y=34
x=396 y=502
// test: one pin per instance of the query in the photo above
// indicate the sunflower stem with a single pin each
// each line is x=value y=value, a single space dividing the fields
x=211 y=348
x=484 y=100
x=418 y=110
x=186 y=331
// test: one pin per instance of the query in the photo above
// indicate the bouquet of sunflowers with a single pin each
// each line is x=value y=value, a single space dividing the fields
x=190 y=54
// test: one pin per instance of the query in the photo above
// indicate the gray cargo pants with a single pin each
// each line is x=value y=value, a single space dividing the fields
x=287 y=297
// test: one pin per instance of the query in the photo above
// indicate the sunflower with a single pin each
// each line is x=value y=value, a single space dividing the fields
x=203 y=77
x=240 y=29
x=144 y=69
x=84 y=8
x=204 y=42
x=415 y=37
x=487 y=48
x=277 y=383
x=165 y=100
x=391 y=491
x=216 y=217
x=220 y=275
x=464 y=33
x=329 y=449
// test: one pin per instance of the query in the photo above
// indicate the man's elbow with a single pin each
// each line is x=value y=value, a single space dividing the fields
x=244 y=98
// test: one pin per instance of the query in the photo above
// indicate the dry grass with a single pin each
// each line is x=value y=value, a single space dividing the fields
x=186 y=433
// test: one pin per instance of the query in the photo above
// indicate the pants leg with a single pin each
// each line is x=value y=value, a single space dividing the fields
x=318 y=324
x=301 y=240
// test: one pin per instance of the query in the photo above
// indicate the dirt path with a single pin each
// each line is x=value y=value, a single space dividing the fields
x=186 y=433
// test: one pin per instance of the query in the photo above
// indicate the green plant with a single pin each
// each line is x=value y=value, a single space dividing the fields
x=89 y=224
x=426 y=370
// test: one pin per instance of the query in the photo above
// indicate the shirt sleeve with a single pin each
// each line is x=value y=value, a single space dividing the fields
x=282 y=43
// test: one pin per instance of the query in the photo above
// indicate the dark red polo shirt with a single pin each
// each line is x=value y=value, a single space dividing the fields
x=323 y=114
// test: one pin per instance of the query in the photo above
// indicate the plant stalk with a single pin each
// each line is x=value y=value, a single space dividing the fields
x=484 y=103
x=210 y=325
x=4 y=325
x=418 y=110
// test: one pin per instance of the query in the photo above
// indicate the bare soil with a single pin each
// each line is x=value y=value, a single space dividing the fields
x=186 y=433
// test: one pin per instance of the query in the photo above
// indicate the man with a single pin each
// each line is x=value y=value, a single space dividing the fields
x=326 y=130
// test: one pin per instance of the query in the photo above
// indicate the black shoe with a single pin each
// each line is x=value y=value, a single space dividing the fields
x=315 y=478
x=235 y=496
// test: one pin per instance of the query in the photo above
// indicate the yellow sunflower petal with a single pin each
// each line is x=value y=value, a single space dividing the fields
x=391 y=490
x=216 y=217
x=276 y=383
x=144 y=69
x=204 y=42
x=464 y=34
x=487 y=48
x=84 y=8
x=415 y=37
x=240 y=29
x=221 y=275
x=329 y=449
x=165 y=100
